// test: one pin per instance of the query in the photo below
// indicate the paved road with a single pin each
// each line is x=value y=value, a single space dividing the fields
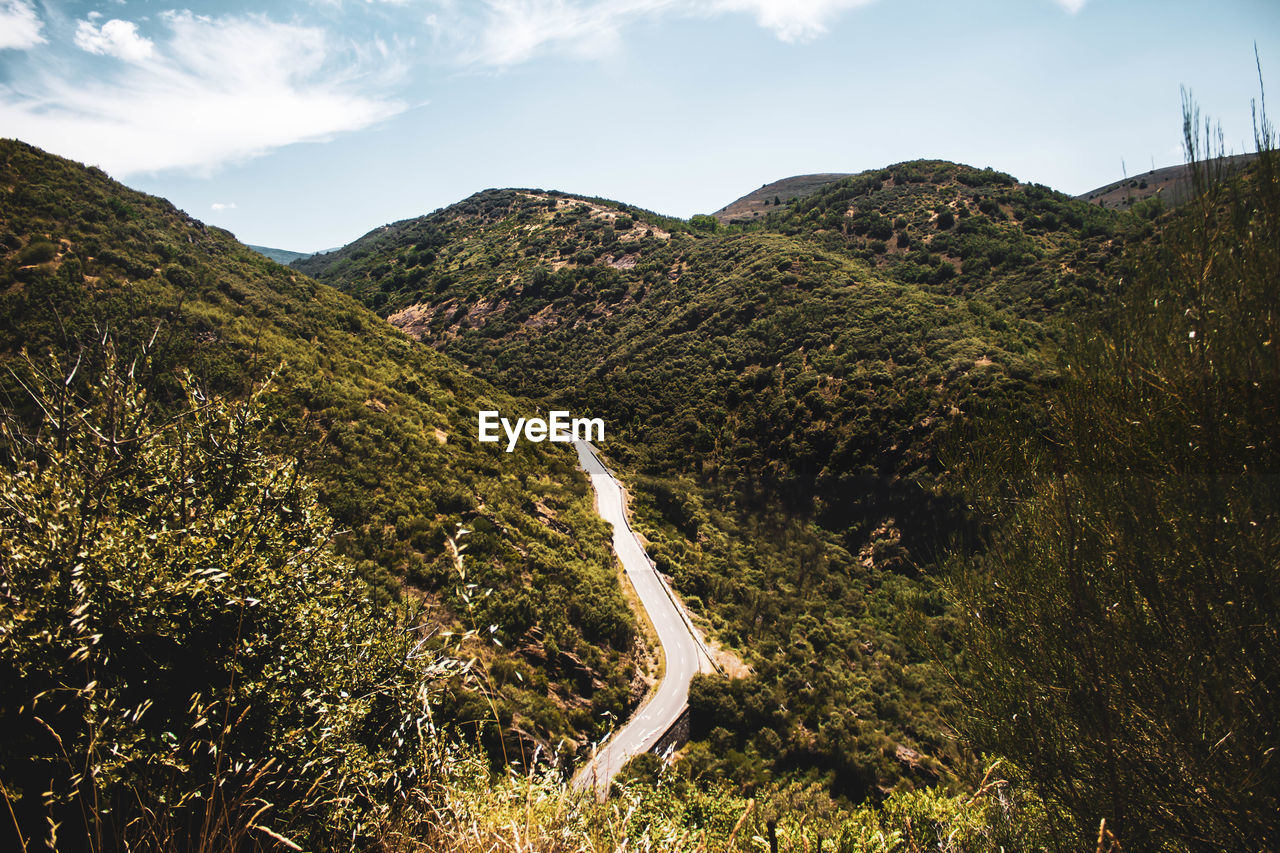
x=684 y=656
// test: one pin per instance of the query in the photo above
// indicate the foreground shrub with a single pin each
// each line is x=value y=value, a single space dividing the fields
x=1123 y=629
x=656 y=808
x=185 y=663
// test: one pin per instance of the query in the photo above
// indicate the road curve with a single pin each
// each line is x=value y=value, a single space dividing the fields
x=684 y=655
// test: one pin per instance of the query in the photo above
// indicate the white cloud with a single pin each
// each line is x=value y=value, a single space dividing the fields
x=1072 y=6
x=795 y=20
x=515 y=31
x=223 y=205
x=508 y=32
x=114 y=38
x=19 y=25
x=210 y=92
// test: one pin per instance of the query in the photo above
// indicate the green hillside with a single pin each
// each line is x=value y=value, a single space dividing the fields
x=385 y=426
x=979 y=479
x=780 y=392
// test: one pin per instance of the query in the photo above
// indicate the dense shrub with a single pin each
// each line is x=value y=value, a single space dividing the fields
x=1123 y=629
x=185 y=660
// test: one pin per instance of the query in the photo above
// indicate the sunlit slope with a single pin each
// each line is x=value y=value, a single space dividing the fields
x=385 y=425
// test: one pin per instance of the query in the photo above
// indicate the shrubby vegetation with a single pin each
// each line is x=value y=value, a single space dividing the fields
x=778 y=397
x=653 y=808
x=960 y=229
x=842 y=692
x=192 y=666
x=385 y=427
x=782 y=390
x=187 y=663
x=1120 y=637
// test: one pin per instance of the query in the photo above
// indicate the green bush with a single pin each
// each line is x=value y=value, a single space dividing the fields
x=37 y=252
x=186 y=661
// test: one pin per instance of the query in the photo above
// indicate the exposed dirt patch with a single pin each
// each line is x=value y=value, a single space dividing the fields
x=415 y=321
x=546 y=317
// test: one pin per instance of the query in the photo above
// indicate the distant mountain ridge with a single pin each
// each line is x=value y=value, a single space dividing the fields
x=1172 y=184
x=760 y=202
x=280 y=256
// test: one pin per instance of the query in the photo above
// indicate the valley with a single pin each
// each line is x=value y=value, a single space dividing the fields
x=781 y=397
x=916 y=443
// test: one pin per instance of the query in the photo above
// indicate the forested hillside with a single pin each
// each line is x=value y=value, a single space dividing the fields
x=384 y=426
x=979 y=479
x=780 y=391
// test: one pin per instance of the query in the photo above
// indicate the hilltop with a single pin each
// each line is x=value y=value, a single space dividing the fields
x=760 y=202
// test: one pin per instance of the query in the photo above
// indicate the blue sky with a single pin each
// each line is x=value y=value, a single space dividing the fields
x=303 y=126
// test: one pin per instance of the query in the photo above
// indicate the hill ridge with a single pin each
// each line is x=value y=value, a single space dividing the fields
x=757 y=203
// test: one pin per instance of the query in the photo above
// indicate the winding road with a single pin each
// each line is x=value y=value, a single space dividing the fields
x=684 y=653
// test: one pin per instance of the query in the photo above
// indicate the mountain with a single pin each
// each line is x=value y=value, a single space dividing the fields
x=387 y=428
x=280 y=256
x=1171 y=184
x=759 y=203
x=784 y=393
x=544 y=292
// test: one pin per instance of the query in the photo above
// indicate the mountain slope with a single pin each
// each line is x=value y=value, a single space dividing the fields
x=1171 y=184
x=781 y=392
x=544 y=292
x=387 y=427
x=760 y=202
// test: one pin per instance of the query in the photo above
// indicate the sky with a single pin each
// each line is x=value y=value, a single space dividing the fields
x=305 y=125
